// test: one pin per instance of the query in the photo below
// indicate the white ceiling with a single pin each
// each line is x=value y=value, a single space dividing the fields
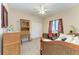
x=52 y=7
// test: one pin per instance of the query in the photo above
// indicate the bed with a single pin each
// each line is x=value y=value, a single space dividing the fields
x=57 y=47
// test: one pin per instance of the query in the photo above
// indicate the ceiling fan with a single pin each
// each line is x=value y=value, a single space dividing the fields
x=42 y=10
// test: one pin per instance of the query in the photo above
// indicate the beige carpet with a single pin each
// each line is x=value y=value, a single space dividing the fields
x=31 y=48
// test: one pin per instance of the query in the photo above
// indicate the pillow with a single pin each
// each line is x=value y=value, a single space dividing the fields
x=69 y=38
x=76 y=40
x=64 y=39
x=62 y=36
x=59 y=39
x=45 y=35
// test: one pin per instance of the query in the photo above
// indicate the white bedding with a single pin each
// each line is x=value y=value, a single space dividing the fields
x=69 y=38
x=76 y=40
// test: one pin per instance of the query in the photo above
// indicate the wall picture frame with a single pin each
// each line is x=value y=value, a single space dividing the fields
x=4 y=17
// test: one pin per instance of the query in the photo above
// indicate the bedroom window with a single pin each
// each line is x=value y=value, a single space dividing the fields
x=55 y=26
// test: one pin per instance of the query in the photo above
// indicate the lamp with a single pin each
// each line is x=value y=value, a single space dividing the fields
x=72 y=28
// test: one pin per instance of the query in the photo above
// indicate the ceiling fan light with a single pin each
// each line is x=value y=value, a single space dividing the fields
x=42 y=12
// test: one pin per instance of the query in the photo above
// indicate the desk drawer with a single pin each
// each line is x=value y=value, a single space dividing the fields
x=13 y=49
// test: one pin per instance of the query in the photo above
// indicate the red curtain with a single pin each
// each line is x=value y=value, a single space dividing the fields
x=50 y=29
x=60 y=26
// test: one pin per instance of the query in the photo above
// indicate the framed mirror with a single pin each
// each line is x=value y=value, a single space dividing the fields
x=4 y=16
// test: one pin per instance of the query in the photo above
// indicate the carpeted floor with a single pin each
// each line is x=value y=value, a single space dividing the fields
x=31 y=48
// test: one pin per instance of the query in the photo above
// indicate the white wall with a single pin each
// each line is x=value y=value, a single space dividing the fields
x=36 y=22
x=69 y=16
